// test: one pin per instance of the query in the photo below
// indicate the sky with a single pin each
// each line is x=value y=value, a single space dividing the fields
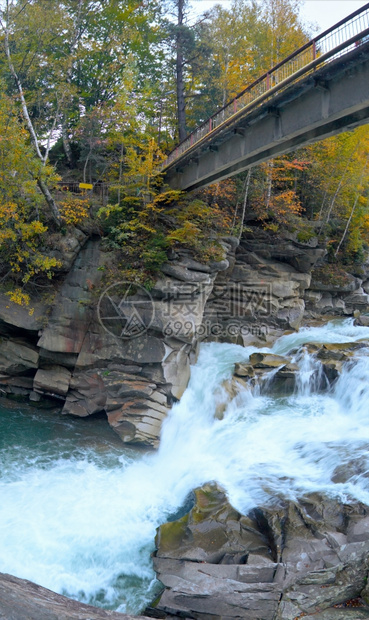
x=323 y=13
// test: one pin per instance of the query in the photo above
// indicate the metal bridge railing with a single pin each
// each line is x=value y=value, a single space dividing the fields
x=331 y=44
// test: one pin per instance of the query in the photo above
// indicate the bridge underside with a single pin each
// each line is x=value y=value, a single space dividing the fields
x=326 y=102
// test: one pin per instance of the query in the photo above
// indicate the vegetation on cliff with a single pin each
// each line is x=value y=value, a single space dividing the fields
x=97 y=92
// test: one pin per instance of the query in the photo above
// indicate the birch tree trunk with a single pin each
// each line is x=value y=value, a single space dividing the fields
x=34 y=140
x=353 y=209
x=247 y=185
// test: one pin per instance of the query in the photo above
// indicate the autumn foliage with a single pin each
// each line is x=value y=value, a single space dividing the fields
x=23 y=225
x=89 y=91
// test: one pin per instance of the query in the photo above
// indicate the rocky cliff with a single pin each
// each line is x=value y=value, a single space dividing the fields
x=69 y=350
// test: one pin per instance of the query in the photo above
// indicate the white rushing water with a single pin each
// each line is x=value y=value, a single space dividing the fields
x=82 y=520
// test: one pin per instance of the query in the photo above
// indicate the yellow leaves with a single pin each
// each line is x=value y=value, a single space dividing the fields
x=8 y=211
x=38 y=263
x=104 y=213
x=30 y=230
x=167 y=197
x=18 y=297
x=187 y=234
x=21 y=228
x=19 y=241
x=74 y=210
x=339 y=176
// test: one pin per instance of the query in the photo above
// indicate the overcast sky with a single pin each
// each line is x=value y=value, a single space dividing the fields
x=323 y=13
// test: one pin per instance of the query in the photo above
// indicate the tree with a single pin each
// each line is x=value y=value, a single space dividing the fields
x=69 y=58
x=282 y=31
x=8 y=15
x=22 y=220
x=247 y=39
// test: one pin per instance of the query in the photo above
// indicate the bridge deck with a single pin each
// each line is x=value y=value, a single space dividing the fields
x=261 y=121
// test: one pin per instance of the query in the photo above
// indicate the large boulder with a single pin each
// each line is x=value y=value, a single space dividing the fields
x=292 y=560
x=202 y=561
x=52 y=381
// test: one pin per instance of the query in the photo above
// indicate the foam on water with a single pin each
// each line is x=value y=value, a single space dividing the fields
x=82 y=521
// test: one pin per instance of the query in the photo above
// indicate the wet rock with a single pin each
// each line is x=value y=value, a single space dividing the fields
x=138 y=422
x=267 y=360
x=284 y=381
x=230 y=389
x=213 y=531
x=16 y=385
x=344 y=472
x=342 y=347
x=362 y=320
x=176 y=368
x=243 y=370
x=21 y=599
x=332 y=369
x=201 y=559
x=300 y=558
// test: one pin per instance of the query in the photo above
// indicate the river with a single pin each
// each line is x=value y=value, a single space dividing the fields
x=79 y=511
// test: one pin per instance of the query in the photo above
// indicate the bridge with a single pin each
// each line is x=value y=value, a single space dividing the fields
x=318 y=91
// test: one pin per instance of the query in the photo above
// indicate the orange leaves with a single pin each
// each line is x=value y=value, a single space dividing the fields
x=221 y=195
x=295 y=164
x=285 y=203
x=274 y=196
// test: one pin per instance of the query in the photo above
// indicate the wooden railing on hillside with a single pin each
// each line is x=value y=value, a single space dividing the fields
x=338 y=40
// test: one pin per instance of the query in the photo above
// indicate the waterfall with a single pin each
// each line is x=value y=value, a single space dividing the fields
x=79 y=516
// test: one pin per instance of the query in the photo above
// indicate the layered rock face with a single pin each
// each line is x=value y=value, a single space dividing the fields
x=73 y=351
x=262 y=293
x=76 y=349
x=340 y=298
x=292 y=560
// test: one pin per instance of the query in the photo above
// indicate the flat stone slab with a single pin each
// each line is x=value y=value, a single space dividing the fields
x=24 y=600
